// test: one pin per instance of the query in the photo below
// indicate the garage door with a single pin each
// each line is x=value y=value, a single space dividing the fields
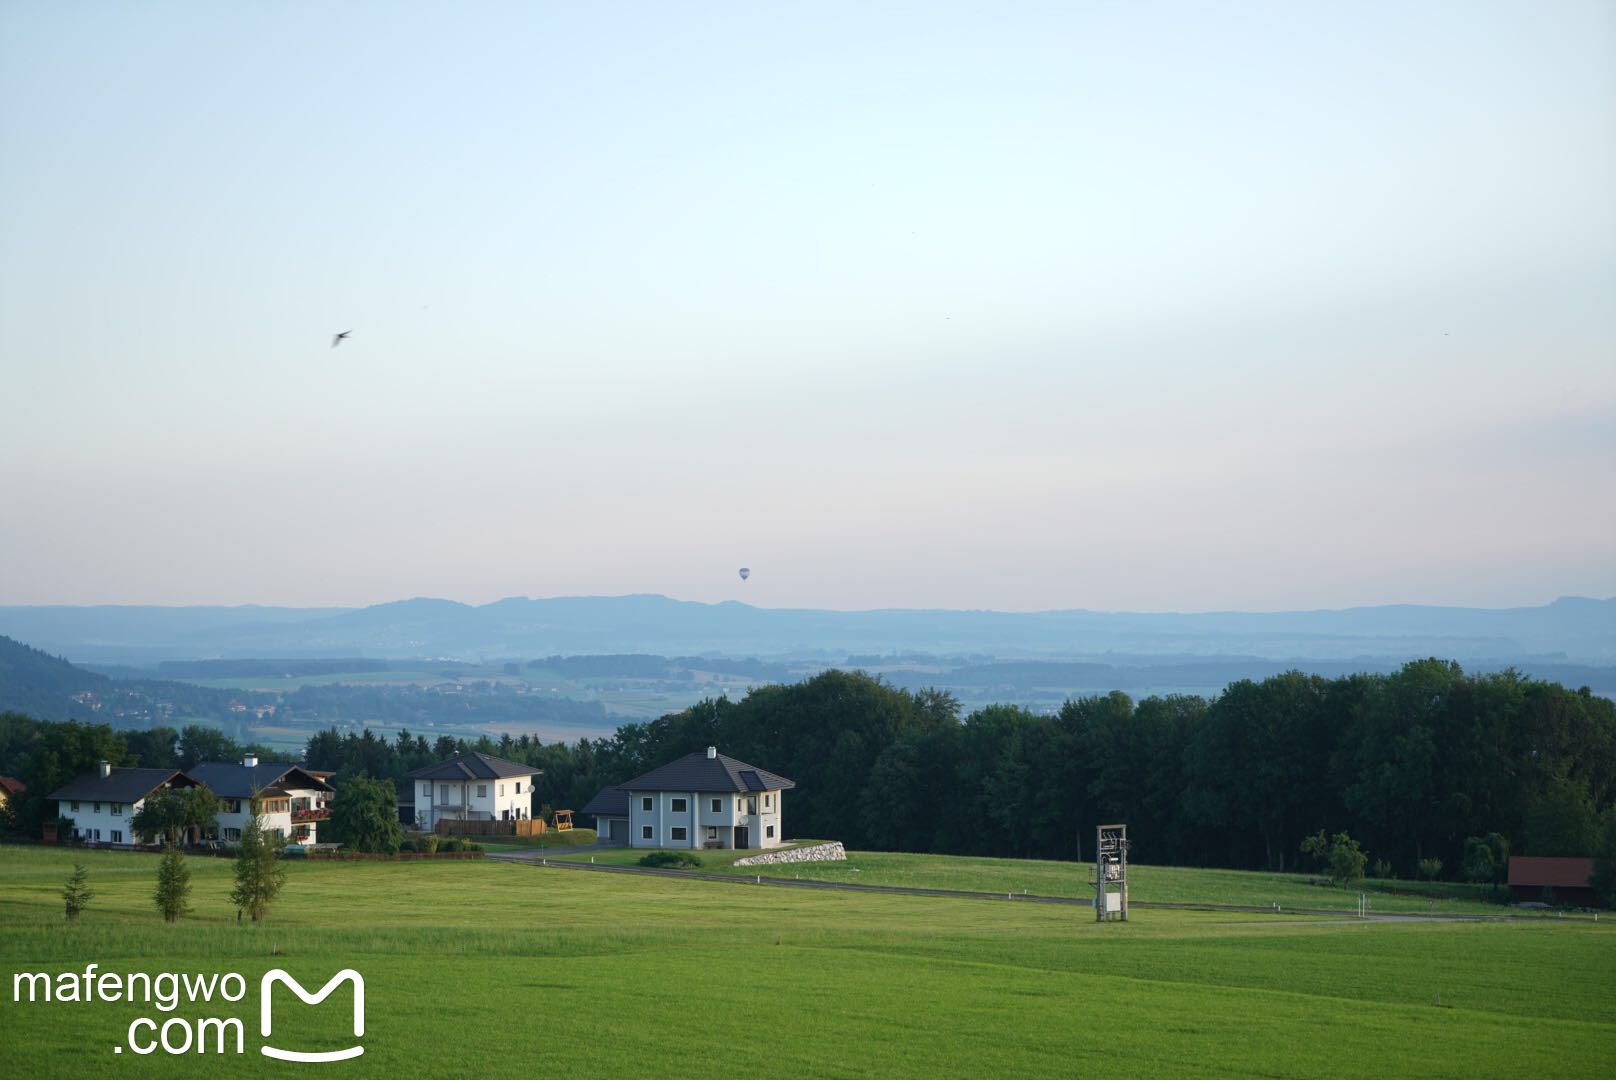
x=619 y=832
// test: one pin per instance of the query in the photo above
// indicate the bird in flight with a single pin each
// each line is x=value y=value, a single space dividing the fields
x=336 y=339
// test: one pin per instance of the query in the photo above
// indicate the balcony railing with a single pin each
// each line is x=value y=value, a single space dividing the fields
x=319 y=814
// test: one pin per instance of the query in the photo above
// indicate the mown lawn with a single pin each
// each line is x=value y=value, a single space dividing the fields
x=471 y=965
x=1046 y=878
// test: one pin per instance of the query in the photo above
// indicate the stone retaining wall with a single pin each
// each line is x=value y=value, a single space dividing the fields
x=831 y=852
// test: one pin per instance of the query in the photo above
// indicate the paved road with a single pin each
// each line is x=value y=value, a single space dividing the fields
x=562 y=861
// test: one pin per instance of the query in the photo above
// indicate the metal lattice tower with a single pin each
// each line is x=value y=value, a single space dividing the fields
x=1111 y=873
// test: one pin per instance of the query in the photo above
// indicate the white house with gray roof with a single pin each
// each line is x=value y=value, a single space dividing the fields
x=291 y=800
x=100 y=803
x=705 y=800
x=472 y=787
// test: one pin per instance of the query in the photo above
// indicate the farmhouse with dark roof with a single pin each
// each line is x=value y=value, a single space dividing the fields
x=292 y=801
x=702 y=800
x=101 y=803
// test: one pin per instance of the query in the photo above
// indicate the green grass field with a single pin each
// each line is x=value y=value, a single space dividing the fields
x=1045 y=878
x=478 y=967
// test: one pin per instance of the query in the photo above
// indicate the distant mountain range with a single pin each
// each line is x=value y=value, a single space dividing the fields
x=1572 y=629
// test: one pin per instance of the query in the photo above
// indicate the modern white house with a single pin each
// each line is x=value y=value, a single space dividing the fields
x=472 y=787
x=292 y=801
x=101 y=803
x=704 y=800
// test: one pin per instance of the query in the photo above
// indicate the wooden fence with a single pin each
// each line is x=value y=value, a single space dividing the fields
x=523 y=827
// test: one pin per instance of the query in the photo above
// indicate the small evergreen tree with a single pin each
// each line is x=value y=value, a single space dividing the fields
x=77 y=894
x=173 y=885
x=259 y=873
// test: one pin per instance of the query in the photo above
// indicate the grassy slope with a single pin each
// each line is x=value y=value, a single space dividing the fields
x=1160 y=883
x=467 y=959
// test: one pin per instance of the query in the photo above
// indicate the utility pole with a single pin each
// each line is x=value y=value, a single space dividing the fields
x=1111 y=873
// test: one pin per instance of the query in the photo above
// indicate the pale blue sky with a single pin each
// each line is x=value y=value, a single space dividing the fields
x=1106 y=305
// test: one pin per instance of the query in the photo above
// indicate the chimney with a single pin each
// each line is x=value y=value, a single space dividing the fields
x=712 y=752
x=106 y=769
x=251 y=761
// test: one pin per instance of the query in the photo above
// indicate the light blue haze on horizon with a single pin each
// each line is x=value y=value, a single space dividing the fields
x=1016 y=306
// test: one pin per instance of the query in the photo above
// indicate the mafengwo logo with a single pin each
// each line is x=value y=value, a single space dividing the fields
x=266 y=1008
x=182 y=1035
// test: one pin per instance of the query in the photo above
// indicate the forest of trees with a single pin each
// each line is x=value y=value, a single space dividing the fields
x=1411 y=764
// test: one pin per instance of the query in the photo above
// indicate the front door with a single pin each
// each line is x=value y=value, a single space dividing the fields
x=742 y=837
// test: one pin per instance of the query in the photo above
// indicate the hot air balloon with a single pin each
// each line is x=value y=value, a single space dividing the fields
x=746 y=572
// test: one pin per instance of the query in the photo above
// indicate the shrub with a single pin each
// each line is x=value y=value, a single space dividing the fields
x=673 y=859
x=451 y=843
x=1486 y=859
x=1383 y=870
x=1341 y=857
x=427 y=843
x=1430 y=869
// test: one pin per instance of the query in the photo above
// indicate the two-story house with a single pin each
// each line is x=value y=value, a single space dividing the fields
x=292 y=801
x=101 y=803
x=472 y=787
x=705 y=800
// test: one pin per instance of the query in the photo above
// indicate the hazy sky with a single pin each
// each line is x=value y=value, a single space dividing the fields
x=1105 y=305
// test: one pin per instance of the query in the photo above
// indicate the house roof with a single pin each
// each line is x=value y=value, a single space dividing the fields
x=119 y=785
x=12 y=786
x=1553 y=871
x=698 y=772
x=234 y=781
x=610 y=802
x=472 y=766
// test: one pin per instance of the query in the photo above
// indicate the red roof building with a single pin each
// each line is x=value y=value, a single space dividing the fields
x=1565 y=876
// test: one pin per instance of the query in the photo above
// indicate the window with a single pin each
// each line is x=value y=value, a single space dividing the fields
x=75 y=807
x=443 y=792
x=117 y=809
x=681 y=833
x=482 y=791
x=645 y=804
x=768 y=801
x=232 y=834
x=770 y=832
x=718 y=806
x=645 y=830
x=98 y=808
x=712 y=832
x=117 y=836
x=502 y=791
x=519 y=787
x=232 y=806
x=680 y=805
x=751 y=804
x=426 y=791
